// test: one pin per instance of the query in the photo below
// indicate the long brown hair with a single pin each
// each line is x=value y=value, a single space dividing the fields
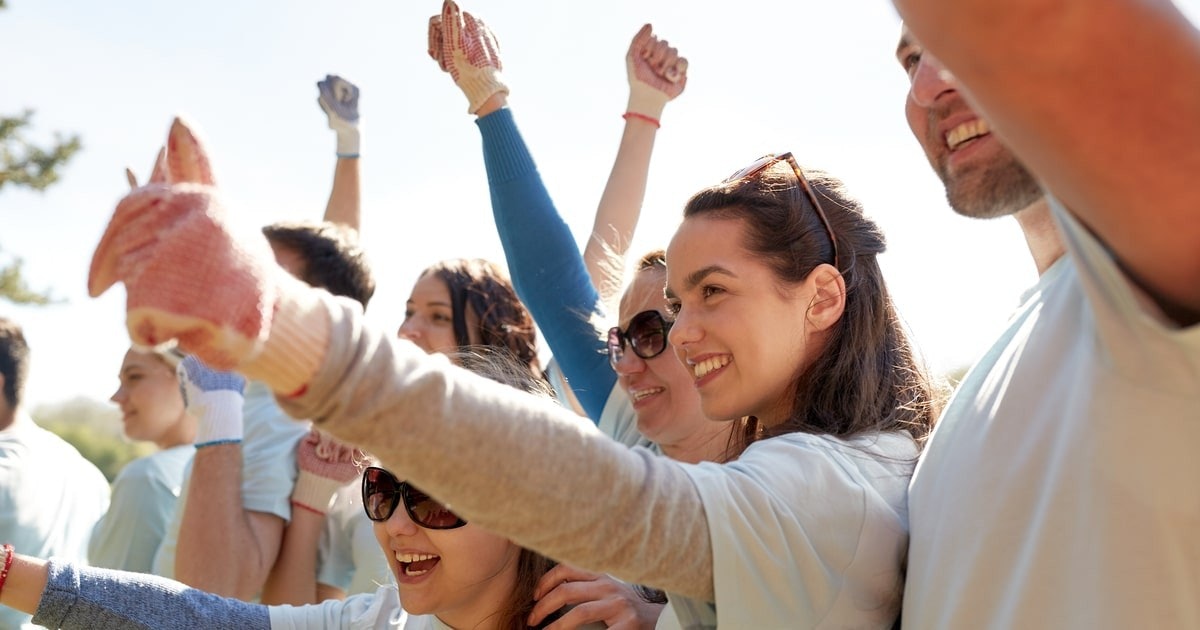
x=868 y=378
x=484 y=288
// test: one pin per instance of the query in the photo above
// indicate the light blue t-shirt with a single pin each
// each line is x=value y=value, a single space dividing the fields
x=144 y=495
x=50 y=498
x=268 y=467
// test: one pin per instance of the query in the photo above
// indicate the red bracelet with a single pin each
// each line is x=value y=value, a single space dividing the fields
x=305 y=507
x=8 y=559
x=649 y=119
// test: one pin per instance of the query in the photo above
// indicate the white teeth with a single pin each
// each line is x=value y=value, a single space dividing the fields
x=411 y=573
x=639 y=394
x=708 y=365
x=966 y=131
x=414 y=557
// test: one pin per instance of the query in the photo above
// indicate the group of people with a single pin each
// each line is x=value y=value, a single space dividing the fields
x=754 y=444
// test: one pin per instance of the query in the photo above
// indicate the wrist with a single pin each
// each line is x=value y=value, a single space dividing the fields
x=314 y=492
x=650 y=103
x=297 y=342
x=634 y=116
x=220 y=414
x=348 y=140
x=480 y=87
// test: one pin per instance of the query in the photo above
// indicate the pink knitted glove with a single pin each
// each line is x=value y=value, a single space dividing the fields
x=187 y=278
x=325 y=465
x=463 y=46
x=657 y=74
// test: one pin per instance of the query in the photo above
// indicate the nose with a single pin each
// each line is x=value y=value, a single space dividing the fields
x=930 y=81
x=686 y=330
x=629 y=363
x=118 y=396
x=400 y=524
x=409 y=330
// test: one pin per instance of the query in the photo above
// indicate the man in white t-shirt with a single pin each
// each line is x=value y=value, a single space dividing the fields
x=1060 y=487
x=50 y=496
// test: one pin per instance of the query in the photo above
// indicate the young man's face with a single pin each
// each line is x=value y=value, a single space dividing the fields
x=982 y=177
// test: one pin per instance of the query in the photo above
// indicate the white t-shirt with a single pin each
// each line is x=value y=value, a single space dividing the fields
x=807 y=531
x=1061 y=488
x=50 y=498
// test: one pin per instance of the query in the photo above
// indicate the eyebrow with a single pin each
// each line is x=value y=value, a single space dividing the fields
x=905 y=42
x=698 y=276
x=411 y=302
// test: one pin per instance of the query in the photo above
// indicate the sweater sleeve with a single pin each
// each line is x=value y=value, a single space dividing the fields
x=544 y=261
x=103 y=599
x=517 y=465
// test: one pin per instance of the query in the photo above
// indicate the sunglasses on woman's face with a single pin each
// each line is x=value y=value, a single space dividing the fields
x=646 y=334
x=382 y=492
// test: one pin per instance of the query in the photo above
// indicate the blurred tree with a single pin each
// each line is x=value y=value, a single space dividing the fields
x=23 y=163
x=94 y=428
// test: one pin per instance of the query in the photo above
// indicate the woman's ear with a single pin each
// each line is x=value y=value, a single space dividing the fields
x=829 y=296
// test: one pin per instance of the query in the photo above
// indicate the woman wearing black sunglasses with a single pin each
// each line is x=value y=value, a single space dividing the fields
x=449 y=573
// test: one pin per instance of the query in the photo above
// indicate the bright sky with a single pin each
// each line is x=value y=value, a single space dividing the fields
x=815 y=78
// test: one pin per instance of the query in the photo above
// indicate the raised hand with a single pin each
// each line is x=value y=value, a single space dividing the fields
x=339 y=99
x=185 y=276
x=593 y=597
x=215 y=399
x=657 y=74
x=325 y=465
x=463 y=46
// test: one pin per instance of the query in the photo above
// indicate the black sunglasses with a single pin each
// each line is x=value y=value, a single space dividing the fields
x=646 y=334
x=382 y=492
x=769 y=160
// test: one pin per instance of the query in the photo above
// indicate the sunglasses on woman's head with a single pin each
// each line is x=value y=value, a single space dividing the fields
x=646 y=334
x=382 y=492
x=769 y=160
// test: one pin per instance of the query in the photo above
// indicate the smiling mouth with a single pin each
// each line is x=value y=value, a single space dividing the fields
x=967 y=132
x=416 y=564
x=640 y=394
x=703 y=368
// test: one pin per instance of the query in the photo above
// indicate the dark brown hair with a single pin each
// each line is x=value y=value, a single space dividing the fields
x=333 y=259
x=503 y=320
x=14 y=361
x=868 y=378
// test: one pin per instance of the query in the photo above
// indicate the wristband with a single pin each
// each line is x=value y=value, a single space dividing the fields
x=650 y=119
x=8 y=560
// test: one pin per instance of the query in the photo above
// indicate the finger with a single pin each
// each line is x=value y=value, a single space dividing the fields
x=678 y=71
x=670 y=56
x=131 y=178
x=158 y=174
x=186 y=159
x=132 y=209
x=583 y=614
x=435 y=39
x=656 y=54
x=451 y=25
x=561 y=573
x=641 y=39
x=574 y=593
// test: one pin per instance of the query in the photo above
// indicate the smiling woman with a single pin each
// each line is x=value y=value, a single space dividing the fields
x=147 y=489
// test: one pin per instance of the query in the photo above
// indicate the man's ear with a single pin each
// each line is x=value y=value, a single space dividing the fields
x=829 y=296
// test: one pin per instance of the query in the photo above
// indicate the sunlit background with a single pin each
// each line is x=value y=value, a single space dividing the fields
x=815 y=78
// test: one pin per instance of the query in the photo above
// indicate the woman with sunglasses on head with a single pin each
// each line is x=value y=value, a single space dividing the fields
x=146 y=490
x=449 y=573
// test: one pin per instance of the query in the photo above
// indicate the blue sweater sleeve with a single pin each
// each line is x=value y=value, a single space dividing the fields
x=103 y=599
x=547 y=269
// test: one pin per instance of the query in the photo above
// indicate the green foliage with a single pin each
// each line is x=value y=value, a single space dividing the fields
x=14 y=288
x=24 y=164
x=94 y=428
